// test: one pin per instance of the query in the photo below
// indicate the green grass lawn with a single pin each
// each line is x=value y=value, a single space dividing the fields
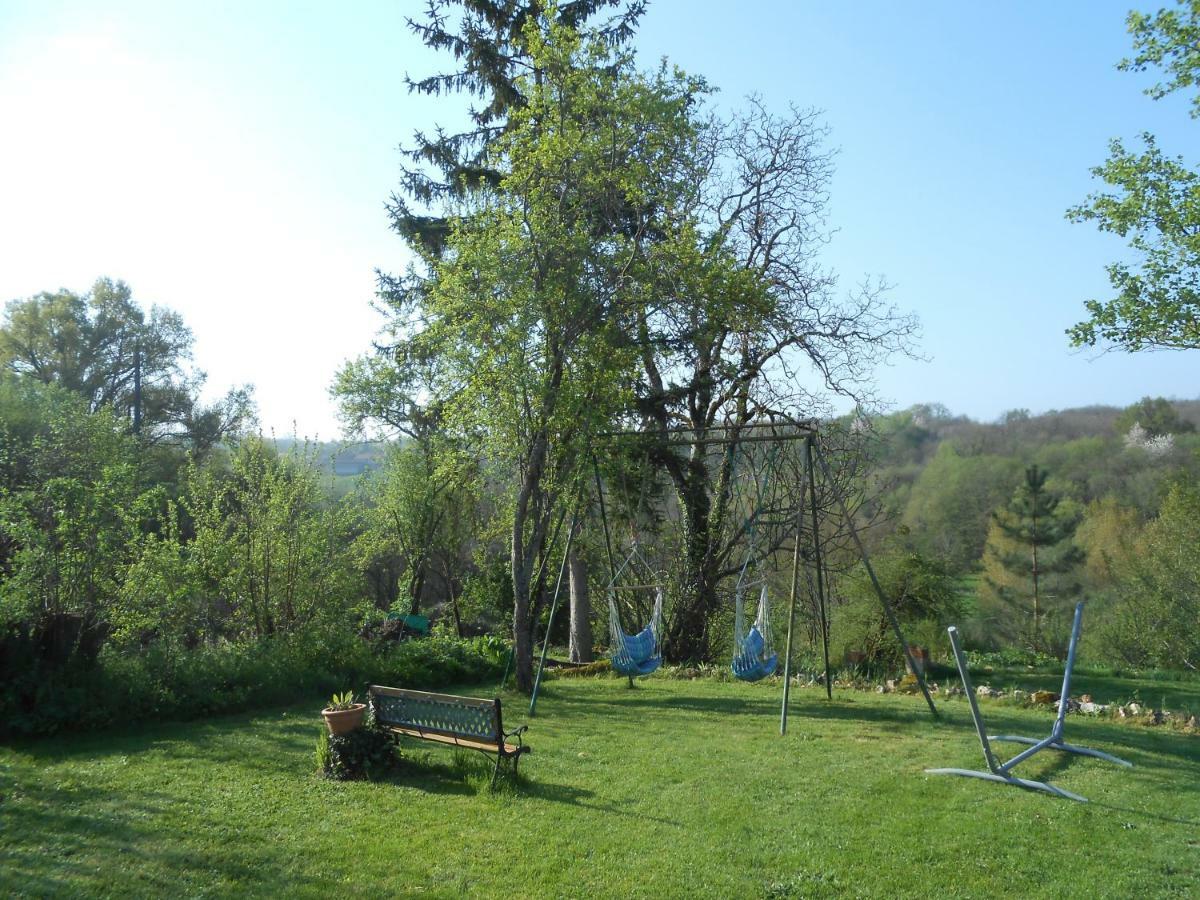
x=674 y=789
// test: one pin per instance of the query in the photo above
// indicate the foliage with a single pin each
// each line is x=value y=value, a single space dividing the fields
x=364 y=753
x=489 y=40
x=104 y=348
x=267 y=549
x=924 y=596
x=170 y=682
x=1151 y=620
x=419 y=518
x=1168 y=39
x=1029 y=563
x=342 y=701
x=70 y=505
x=1154 y=203
x=1156 y=415
x=1107 y=535
x=950 y=505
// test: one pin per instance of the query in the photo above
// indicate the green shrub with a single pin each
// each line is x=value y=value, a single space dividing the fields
x=365 y=752
x=164 y=682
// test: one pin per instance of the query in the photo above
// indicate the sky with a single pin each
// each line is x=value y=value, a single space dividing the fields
x=231 y=161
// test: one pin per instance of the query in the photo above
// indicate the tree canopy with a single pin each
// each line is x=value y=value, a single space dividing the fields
x=1153 y=201
x=105 y=348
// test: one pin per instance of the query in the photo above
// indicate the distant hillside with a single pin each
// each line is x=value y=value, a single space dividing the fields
x=343 y=459
x=939 y=476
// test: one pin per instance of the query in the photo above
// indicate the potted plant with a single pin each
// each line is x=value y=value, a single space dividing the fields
x=343 y=714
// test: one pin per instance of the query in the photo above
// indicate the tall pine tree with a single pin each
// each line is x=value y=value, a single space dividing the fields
x=489 y=43
x=1029 y=563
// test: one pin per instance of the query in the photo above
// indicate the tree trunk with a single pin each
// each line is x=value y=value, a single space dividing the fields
x=522 y=639
x=581 y=611
x=687 y=640
x=416 y=587
x=1037 y=625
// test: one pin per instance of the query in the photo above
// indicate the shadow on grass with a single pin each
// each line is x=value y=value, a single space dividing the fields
x=1143 y=746
x=571 y=795
x=471 y=773
x=618 y=706
x=57 y=834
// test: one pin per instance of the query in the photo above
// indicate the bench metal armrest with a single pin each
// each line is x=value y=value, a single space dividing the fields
x=516 y=732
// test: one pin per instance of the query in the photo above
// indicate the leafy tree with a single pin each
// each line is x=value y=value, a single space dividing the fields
x=102 y=346
x=950 y=506
x=1107 y=535
x=70 y=502
x=742 y=325
x=269 y=555
x=1156 y=416
x=1029 y=560
x=420 y=509
x=1154 y=203
x=511 y=335
x=1152 y=621
x=922 y=593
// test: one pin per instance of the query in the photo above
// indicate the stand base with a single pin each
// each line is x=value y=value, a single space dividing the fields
x=1008 y=779
x=1065 y=747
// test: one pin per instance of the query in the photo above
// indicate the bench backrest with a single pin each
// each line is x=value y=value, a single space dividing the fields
x=438 y=713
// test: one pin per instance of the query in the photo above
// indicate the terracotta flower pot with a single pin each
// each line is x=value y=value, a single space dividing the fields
x=341 y=721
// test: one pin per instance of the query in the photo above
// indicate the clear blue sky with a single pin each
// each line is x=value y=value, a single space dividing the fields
x=231 y=160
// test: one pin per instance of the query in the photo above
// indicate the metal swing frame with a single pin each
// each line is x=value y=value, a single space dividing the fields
x=1002 y=772
x=808 y=432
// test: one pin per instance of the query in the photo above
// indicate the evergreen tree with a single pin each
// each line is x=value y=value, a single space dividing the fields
x=1029 y=560
x=489 y=40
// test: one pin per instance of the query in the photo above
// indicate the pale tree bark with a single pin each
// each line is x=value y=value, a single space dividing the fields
x=581 y=611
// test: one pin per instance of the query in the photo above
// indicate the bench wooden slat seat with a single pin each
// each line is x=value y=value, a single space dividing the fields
x=468 y=722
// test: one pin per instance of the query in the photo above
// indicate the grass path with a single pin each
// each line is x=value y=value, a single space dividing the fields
x=675 y=789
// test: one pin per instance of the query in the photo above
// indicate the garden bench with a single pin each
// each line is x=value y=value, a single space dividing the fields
x=467 y=722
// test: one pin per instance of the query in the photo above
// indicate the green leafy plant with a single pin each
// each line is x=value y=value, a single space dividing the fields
x=342 y=701
x=322 y=751
x=363 y=753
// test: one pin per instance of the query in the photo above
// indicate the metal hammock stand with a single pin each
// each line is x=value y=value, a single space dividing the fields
x=1001 y=772
x=1055 y=741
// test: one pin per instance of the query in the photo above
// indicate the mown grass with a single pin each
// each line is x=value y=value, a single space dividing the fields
x=673 y=789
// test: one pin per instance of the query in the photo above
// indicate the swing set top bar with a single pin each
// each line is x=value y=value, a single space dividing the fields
x=749 y=433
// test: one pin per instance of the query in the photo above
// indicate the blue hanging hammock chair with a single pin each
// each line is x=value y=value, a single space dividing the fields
x=754 y=658
x=638 y=654
x=635 y=654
